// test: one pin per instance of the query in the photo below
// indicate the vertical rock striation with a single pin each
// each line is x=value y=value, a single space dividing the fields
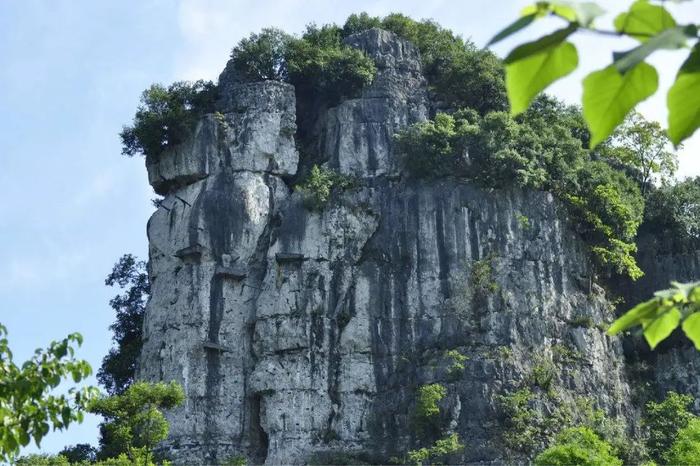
x=299 y=333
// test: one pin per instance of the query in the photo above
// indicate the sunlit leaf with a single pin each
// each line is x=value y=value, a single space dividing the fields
x=608 y=96
x=633 y=316
x=684 y=99
x=528 y=77
x=644 y=20
x=691 y=328
x=516 y=26
x=669 y=39
x=661 y=327
x=583 y=13
x=540 y=45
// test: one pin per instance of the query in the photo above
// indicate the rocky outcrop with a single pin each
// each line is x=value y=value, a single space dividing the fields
x=299 y=334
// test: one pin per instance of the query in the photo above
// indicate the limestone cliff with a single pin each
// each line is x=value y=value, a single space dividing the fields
x=298 y=333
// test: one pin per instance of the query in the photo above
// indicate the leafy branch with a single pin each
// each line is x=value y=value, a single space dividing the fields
x=611 y=93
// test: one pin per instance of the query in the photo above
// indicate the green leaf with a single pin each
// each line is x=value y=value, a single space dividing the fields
x=683 y=99
x=608 y=96
x=516 y=26
x=583 y=13
x=634 y=316
x=532 y=48
x=660 y=328
x=691 y=328
x=644 y=20
x=669 y=39
x=528 y=77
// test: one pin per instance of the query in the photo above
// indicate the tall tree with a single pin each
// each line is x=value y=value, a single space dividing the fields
x=644 y=146
x=29 y=407
x=119 y=366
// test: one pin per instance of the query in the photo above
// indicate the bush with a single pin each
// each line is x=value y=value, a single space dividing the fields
x=672 y=214
x=686 y=447
x=441 y=448
x=167 y=116
x=318 y=186
x=459 y=73
x=435 y=147
x=664 y=420
x=579 y=446
x=318 y=63
x=262 y=56
x=543 y=150
x=609 y=207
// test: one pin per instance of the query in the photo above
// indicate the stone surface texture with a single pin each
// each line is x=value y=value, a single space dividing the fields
x=299 y=333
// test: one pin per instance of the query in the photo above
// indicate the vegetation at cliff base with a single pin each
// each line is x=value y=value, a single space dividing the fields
x=579 y=446
x=134 y=419
x=29 y=403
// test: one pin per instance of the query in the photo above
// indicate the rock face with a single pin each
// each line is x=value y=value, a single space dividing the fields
x=300 y=334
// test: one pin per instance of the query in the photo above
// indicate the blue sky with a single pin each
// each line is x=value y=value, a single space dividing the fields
x=70 y=76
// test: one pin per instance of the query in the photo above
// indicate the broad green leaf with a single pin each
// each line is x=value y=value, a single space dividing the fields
x=608 y=96
x=661 y=327
x=633 y=316
x=683 y=99
x=543 y=43
x=516 y=26
x=691 y=328
x=528 y=77
x=644 y=20
x=674 y=38
x=583 y=13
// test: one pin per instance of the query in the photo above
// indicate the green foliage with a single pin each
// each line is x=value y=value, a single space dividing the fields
x=523 y=221
x=262 y=56
x=582 y=321
x=119 y=366
x=663 y=422
x=609 y=94
x=481 y=276
x=672 y=214
x=457 y=361
x=318 y=63
x=167 y=116
x=42 y=459
x=579 y=446
x=428 y=398
x=522 y=431
x=319 y=185
x=542 y=149
x=686 y=447
x=609 y=207
x=80 y=452
x=61 y=460
x=532 y=67
x=645 y=148
x=543 y=373
x=236 y=461
x=460 y=74
x=442 y=447
x=662 y=314
x=434 y=147
x=29 y=408
x=134 y=420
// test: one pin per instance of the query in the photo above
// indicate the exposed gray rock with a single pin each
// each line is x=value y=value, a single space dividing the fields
x=297 y=333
